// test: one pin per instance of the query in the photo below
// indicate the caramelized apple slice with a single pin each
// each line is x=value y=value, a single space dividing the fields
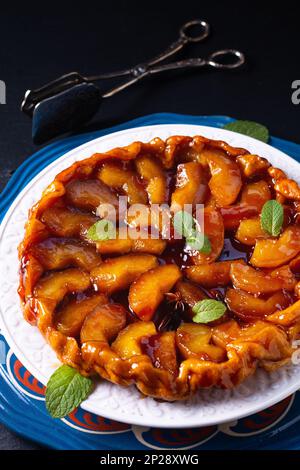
x=295 y=265
x=273 y=339
x=118 y=273
x=191 y=186
x=256 y=194
x=226 y=181
x=252 y=164
x=30 y=272
x=59 y=253
x=161 y=349
x=214 y=230
x=297 y=290
x=288 y=188
x=175 y=147
x=128 y=341
x=69 y=319
x=124 y=244
x=246 y=278
x=112 y=246
x=271 y=253
x=266 y=342
x=209 y=152
x=233 y=215
x=210 y=275
x=149 y=245
x=187 y=293
x=147 y=292
x=192 y=151
x=225 y=333
x=89 y=194
x=115 y=175
x=194 y=340
x=247 y=306
x=276 y=174
x=103 y=323
x=140 y=218
x=285 y=273
x=296 y=207
x=286 y=317
x=56 y=285
x=249 y=231
x=294 y=332
x=154 y=219
x=65 y=222
x=253 y=197
x=151 y=171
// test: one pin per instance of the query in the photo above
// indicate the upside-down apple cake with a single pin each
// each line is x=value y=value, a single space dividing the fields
x=155 y=311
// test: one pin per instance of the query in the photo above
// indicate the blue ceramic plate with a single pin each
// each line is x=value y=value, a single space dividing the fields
x=22 y=405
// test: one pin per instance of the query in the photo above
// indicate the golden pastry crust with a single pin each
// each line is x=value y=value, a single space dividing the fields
x=76 y=291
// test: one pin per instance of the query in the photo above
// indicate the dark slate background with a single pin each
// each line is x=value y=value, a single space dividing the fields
x=37 y=45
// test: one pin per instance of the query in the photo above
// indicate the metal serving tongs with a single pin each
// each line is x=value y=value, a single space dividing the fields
x=72 y=99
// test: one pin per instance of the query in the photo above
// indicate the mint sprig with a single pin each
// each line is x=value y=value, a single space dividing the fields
x=185 y=225
x=271 y=219
x=250 y=128
x=102 y=230
x=66 y=389
x=208 y=310
x=199 y=241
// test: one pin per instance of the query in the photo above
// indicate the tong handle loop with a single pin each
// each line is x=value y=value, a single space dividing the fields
x=236 y=59
x=185 y=37
x=186 y=30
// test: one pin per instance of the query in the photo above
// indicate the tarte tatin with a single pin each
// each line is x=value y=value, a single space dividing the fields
x=125 y=308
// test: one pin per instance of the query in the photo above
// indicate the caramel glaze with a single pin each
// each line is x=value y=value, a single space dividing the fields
x=167 y=316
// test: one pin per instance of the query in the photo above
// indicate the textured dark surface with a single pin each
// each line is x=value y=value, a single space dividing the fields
x=37 y=47
x=9 y=441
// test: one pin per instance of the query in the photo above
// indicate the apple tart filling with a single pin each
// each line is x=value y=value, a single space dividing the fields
x=166 y=313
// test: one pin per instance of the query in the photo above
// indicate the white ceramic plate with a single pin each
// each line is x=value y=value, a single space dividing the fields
x=111 y=401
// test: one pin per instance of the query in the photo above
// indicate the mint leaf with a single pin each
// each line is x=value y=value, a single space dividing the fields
x=271 y=218
x=183 y=223
x=91 y=233
x=250 y=128
x=198 y=241
x=66 y=389
x=208 y=310
x=102 y=230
